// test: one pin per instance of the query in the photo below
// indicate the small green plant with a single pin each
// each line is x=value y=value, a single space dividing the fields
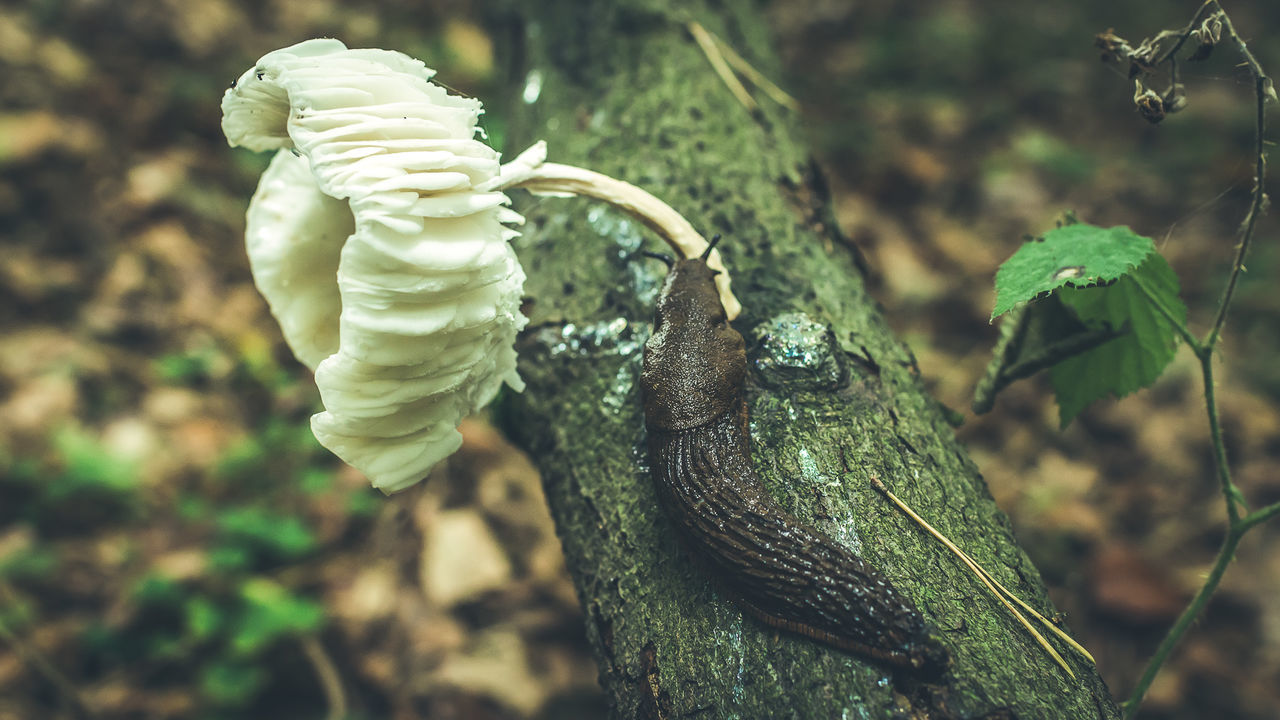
x=1098 y=307
x=221 y=628
x=184 y=368
x=222 y=624
x=279 y=449
x=267 y=611
x=34 y=563
x=259 y=531
x=77 y=485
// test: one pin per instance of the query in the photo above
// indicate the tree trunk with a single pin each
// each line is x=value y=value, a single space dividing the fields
x=835 y=399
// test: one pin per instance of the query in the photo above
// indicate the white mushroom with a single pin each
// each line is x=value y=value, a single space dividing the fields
x=379 y=182
x=382 y=195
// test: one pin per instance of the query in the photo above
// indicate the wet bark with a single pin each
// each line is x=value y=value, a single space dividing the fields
x=622 y=88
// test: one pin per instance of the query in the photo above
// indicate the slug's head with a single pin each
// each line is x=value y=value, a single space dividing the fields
x=695 y=363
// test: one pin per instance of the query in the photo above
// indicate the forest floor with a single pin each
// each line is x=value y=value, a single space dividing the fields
x=174 y=543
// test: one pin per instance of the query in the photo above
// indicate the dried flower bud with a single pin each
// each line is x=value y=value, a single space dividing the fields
x=1204 y=48
x=1175 y=98
x=1211 y=28
x=1150 y=105
x=1142 y=60
x=1114 y=48
x=1206 y=36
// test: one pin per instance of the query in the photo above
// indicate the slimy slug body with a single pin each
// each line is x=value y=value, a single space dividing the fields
x=784 y=572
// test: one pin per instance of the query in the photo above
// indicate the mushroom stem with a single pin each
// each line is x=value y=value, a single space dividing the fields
x=530 y=172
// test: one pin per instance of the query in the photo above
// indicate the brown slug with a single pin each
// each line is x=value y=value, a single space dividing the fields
x=782 y=571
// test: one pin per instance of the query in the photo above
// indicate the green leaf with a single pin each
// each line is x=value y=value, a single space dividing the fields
x=203 y=618
x=28 y=563
x=157 y=590
x=1034 y=337
x=284 y=535
x=163 y=647
x=193 y=507
x=228 y=682
x=182 y=369
x=364 y=502
x=271 y=611
x=1077 y=254
x=315 y=481
x=1129 y=362
x=228 y=559
x=90 y=466
x=18 y=614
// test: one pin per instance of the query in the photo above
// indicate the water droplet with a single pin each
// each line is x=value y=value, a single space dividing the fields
x=608 y=337
x=797 y=353
x=1068 y=272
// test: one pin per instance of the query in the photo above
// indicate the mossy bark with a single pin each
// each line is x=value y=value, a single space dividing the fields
x=621 y=87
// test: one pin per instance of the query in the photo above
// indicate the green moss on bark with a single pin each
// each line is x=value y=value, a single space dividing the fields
x=625 y=91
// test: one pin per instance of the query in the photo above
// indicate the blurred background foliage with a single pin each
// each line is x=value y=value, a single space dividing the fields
x=176 y=544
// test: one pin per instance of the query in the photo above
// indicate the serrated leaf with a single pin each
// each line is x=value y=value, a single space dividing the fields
x=1035 y=337
x=1078 y=254
x=1129 y=362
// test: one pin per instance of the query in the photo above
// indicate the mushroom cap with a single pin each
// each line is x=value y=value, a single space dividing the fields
x=387 y=266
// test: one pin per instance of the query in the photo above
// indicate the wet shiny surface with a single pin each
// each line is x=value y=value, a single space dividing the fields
x=796 y=352
x=777 y=568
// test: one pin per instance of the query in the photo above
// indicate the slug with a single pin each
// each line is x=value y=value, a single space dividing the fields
x=776 y=568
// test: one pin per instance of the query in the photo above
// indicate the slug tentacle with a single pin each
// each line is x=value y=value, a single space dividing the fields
x=665 y=258
x=777 y=568
x=715 y=240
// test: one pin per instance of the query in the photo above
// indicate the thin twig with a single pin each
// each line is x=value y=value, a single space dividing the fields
x=1259 y=516
x=1204 y=350
x=1262 y=88
x=1047 y=356
x=327 y=674
x=757 y=78
x=1182 y=34
x=1013 y=330
x=1178 y=325
x=730 y=80
x=1188 y=616
x=986 y=579
x=38 y=661
x=1230 y=493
